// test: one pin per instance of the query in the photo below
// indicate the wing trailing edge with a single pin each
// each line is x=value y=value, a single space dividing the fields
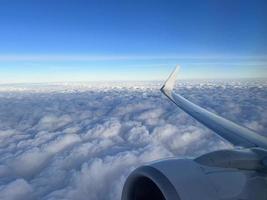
x=232 y=132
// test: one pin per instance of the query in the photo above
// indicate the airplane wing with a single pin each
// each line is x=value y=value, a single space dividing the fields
x=234 y=133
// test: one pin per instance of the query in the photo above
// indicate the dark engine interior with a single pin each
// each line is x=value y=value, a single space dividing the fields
x=143 y=189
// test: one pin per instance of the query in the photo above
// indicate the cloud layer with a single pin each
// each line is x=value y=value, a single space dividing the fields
x=80 y=141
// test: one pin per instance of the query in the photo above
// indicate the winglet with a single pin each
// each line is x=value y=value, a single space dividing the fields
x=170 y=82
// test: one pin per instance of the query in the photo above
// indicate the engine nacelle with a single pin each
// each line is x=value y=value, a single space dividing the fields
x=185 y=179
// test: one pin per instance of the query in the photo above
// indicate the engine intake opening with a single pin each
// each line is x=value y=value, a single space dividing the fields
x=144 y=188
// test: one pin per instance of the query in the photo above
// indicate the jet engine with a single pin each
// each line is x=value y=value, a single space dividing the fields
x=192 y=179
x=232 y=174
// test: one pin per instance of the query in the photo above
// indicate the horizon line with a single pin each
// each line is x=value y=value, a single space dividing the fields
x=155 y=80
x=92 y=57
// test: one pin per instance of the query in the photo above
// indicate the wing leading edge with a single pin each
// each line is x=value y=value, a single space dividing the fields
x=234 y=133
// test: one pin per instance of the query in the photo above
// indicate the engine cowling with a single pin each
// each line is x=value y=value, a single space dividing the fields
x=186 y=179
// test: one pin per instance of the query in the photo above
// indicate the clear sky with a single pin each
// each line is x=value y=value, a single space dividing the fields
x=88 y=40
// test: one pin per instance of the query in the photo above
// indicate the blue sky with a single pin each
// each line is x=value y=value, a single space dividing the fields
x=78 y=40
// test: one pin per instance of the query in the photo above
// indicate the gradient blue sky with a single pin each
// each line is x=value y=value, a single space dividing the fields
x=78 y=40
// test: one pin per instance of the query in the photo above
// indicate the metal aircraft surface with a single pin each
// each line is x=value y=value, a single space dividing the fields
x=234 y=174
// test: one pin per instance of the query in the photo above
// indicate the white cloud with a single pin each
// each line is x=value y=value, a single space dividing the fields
x=17 y=190
x=81 y=141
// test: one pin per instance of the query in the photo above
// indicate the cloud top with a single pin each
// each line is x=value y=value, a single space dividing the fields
x=81 y=141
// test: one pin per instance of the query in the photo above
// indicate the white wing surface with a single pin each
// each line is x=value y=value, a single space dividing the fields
x=234 y=133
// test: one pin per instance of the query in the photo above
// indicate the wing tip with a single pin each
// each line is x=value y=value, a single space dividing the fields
x=170 y=82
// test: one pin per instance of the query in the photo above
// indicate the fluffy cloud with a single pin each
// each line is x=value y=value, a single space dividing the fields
x=80 y=141
x=16 y=190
